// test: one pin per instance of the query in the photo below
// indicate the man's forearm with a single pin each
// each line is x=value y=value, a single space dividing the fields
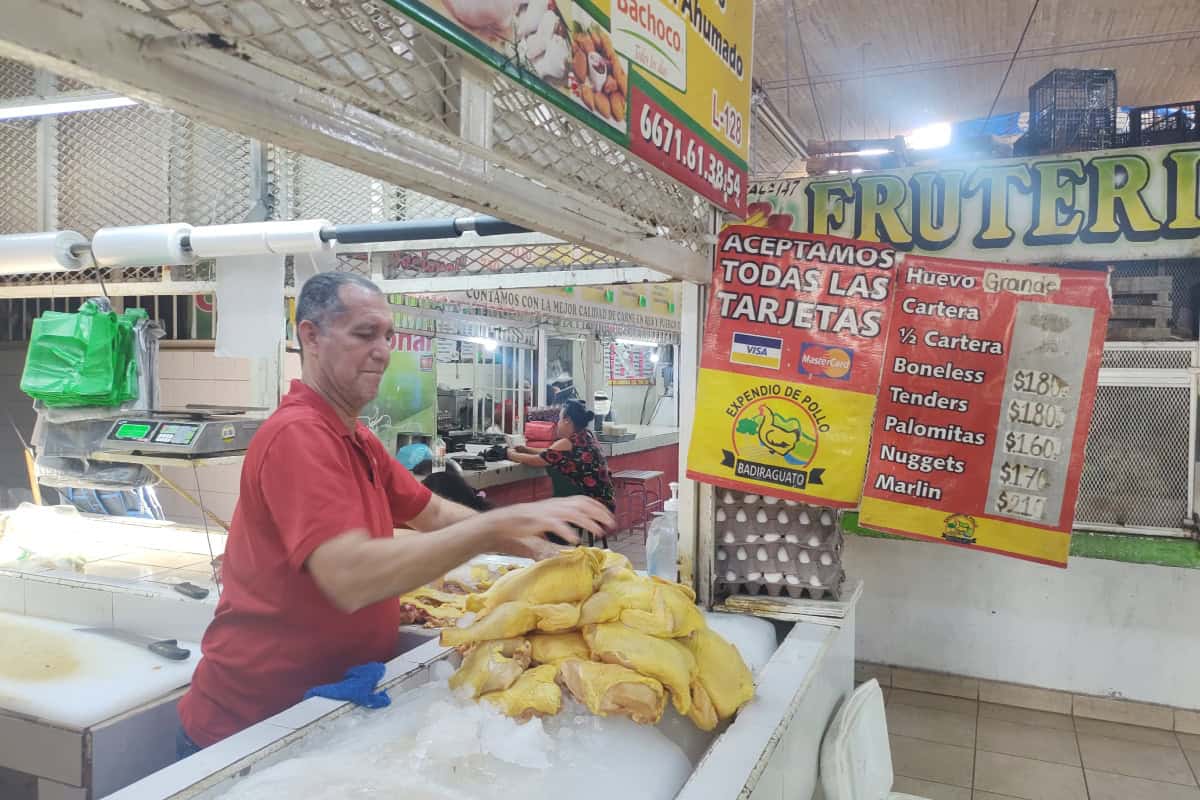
x=355 y=570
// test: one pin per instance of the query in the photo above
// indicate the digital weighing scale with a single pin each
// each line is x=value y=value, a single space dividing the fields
x=189 y=434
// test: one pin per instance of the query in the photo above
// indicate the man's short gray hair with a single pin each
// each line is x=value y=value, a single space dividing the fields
x=320 y=295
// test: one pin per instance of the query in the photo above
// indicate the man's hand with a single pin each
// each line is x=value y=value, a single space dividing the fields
x=536 y=547
x=515 y=526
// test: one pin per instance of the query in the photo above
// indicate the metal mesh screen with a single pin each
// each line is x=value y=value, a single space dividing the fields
x=211 y=175
x=113 y=168
x=511 y=258
x=365 y=53
x=16 y=79
x=18 y=170
x=534 y=132
x=1148 y=358
x=319 y=190
x=414 y=205
x=770 y=159
x=359 y=50
x=1135 y=471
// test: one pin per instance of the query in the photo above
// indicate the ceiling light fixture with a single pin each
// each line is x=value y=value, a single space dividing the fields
x=52 y=106
x=489 y=345
x=930 y=137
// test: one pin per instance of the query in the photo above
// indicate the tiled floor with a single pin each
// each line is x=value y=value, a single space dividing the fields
x=946 y=748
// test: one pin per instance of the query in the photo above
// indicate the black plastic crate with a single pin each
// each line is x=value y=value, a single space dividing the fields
x=1173 y=123
x=1074 y=109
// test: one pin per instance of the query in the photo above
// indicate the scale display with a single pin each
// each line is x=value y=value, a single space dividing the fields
x=135 y=431
x=171 y=436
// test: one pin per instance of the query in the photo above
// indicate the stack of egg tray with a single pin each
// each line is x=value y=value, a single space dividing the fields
x=777 y=547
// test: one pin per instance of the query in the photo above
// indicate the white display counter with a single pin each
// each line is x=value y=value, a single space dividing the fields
x=770 y=752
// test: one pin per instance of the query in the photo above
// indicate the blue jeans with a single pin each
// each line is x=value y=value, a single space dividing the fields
x=184 y=746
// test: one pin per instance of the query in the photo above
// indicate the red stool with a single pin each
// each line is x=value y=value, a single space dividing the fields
x=632 y=484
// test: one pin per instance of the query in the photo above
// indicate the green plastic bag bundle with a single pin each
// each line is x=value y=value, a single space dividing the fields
x=84 y=359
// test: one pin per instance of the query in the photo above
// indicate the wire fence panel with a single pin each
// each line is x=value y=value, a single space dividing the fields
x=369 y=55
x=16 y=79
x=19 y=176
x=1136 y=471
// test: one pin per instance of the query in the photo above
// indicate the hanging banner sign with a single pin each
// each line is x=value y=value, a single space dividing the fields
x=652 y=308
x=987 y=391
x=407 y=398
x=668 y=80
x=1096 y=206
x=792 y=355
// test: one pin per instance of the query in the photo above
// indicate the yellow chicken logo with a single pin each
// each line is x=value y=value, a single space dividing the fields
x=778 y=434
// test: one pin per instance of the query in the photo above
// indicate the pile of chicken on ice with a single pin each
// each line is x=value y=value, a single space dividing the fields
x=620 y=643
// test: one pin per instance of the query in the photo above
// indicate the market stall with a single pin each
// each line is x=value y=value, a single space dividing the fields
x=381 y=95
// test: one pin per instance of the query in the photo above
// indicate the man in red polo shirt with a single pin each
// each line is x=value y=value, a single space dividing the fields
x=312 y=567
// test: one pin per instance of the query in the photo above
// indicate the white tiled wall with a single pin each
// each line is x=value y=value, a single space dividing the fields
x=198 y=376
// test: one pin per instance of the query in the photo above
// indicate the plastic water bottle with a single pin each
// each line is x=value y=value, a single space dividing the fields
x=439 y=454
x=662 y=541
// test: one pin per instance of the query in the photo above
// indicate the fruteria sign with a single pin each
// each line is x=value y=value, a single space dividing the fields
x=987 y=391
x=668 y=80
x=1095 y=206
x=793 y=349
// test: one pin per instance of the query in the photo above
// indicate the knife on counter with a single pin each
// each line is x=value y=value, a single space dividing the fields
x=167 y=648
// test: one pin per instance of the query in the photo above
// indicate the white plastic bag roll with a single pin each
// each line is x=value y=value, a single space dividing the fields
x=142 y=246
x=260 y=238
x=24 y=253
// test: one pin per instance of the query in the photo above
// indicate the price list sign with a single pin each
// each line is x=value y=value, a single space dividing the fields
x=988 y=384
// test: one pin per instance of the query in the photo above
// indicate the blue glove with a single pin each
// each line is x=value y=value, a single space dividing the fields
x=358 y=687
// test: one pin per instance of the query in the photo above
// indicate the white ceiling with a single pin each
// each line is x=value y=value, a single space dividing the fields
x=849 y=69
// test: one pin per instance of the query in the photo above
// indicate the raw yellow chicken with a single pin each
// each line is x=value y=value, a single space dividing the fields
x=535 y=694
x=721 y=672
x=433 y=607
x=557 y=617
x=665 y=660
x=702 y=715
x=554 y=648
x=614 y=561
x=514 y=619
x=650 y=605
x=486 y=669
x=567 y=578
x=508 y=620
x=612 y=689
x=672 y=612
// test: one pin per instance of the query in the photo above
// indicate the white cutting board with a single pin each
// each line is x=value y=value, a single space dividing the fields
x=50 y=671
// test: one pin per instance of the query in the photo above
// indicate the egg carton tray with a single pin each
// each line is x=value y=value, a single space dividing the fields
x=818 y=540
x=794 y=591
x=787 y=559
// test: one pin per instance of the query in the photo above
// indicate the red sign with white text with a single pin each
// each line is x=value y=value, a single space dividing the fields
x=988 y=383
x=661 y=139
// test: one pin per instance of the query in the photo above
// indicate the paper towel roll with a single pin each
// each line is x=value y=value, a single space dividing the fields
x=142 y=246
x=23 y=253
x=255 y=238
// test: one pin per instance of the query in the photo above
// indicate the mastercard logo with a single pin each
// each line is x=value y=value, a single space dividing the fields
x=827 y=362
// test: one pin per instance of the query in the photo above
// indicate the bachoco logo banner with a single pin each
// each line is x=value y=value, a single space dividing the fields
x=792 y=356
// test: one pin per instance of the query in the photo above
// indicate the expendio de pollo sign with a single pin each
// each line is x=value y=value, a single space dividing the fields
x=1097 y=206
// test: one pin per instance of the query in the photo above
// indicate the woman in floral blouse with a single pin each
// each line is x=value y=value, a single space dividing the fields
x=574 y=461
